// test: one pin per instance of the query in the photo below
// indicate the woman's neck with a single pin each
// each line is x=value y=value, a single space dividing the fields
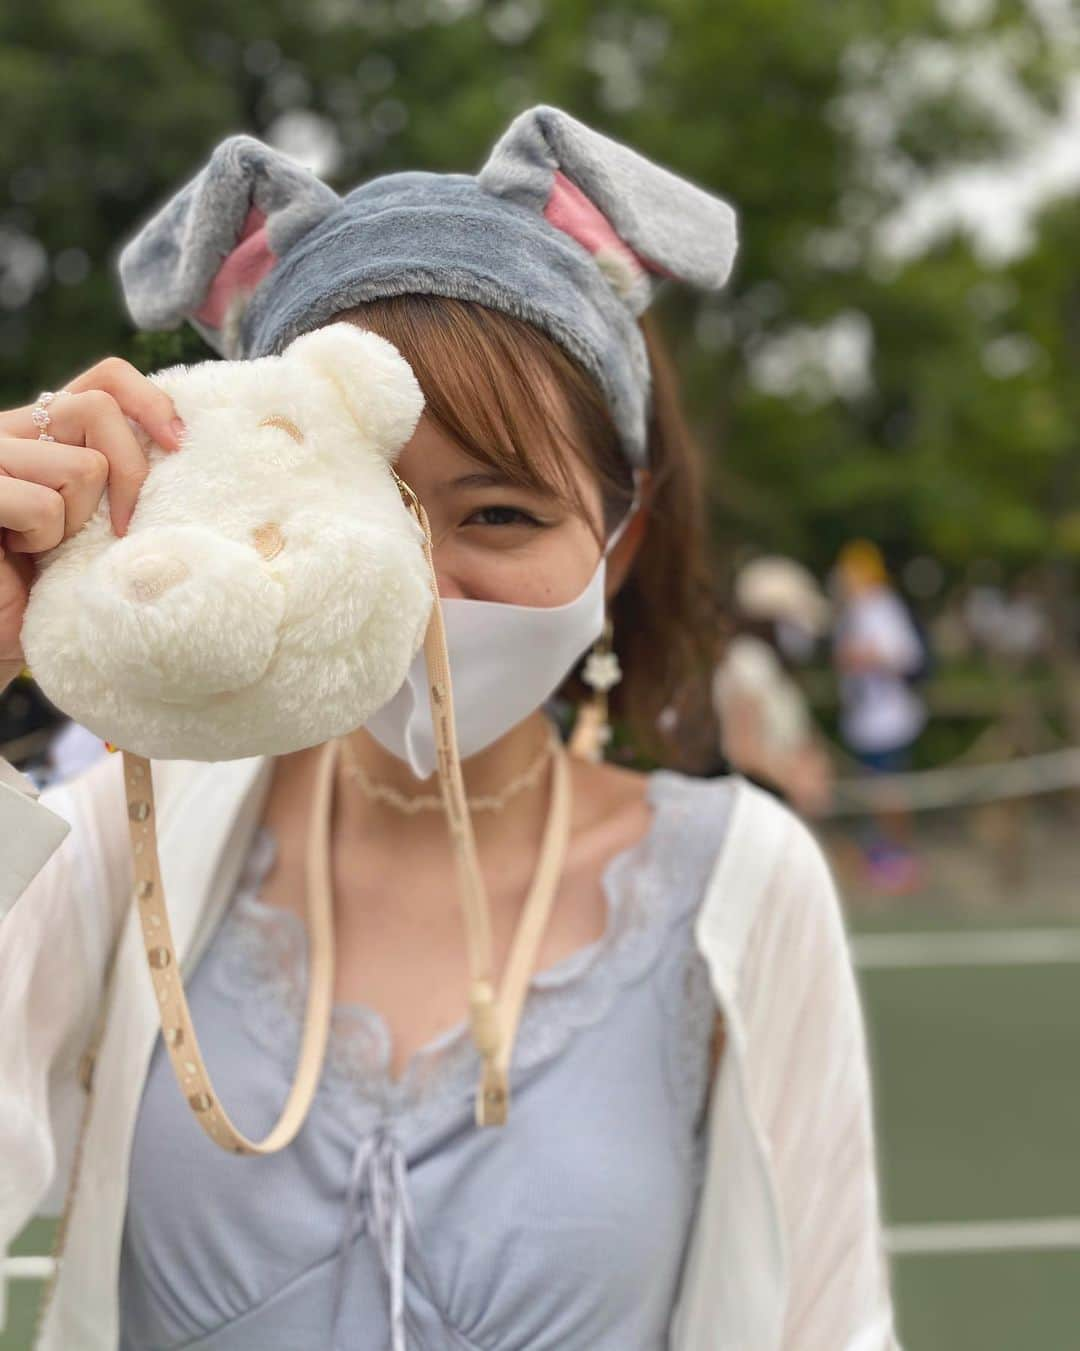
x=485 y=774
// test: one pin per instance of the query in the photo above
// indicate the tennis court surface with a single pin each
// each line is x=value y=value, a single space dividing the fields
x=974 y=1023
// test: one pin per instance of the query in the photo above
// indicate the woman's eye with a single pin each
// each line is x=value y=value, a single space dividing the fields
x=517 y=516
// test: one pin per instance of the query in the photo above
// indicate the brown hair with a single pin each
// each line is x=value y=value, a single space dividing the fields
x=663 y=617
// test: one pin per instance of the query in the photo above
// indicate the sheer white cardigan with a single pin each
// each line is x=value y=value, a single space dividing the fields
x=787 y=1250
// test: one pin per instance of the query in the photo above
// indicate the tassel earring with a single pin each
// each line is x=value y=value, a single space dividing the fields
x=601 y=672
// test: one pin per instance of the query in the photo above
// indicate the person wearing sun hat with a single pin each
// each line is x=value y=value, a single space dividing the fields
x=767 y=730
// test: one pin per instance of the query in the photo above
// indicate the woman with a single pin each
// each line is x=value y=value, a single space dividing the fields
x=878 y=654
x=766 y=727
x=689 y=1153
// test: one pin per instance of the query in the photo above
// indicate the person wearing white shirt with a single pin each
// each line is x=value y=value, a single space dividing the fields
x=877 y=651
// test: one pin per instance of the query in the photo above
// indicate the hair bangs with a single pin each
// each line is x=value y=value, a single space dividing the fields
x=499 y=387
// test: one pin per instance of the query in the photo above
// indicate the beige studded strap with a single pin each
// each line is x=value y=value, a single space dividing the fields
x=493 y=1018
x=177 y=1029
x=538 y=903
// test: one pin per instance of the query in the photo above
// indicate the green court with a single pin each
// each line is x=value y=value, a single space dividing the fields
x=976 y=1045
x=974 y=1023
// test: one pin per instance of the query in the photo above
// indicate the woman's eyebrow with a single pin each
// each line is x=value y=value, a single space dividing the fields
x=480 y=479
x=491 y=478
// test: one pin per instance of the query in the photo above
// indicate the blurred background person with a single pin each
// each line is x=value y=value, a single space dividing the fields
x=766 y=728
x=880 y=658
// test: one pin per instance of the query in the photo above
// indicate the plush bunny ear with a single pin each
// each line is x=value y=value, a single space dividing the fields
x=635 y=218
x=202 y=255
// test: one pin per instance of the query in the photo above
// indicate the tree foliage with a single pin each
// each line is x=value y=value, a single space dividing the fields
x=929 y=402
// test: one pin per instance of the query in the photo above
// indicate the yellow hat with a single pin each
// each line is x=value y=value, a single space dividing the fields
x=861 y=561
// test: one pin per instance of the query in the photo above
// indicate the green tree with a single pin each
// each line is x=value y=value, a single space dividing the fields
x=926 y=401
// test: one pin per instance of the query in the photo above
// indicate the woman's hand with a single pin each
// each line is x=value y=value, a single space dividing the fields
x=50 y=489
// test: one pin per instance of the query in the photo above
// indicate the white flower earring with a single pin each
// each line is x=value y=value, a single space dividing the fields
x=601 y=672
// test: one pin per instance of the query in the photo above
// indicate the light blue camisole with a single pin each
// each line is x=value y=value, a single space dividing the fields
x=392 y=1221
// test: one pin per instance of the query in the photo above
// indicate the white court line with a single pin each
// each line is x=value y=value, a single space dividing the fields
x=1055 y=1235
x=26 y=1268
x=1012 y=947
x=902 y=1240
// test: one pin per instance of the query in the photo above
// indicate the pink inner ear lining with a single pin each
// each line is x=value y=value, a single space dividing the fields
x=242 y=269
x=571 y=211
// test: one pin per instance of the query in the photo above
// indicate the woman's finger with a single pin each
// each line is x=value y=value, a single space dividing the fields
x=94 y=419
x=33 y=516
x=139 y=398
x=78 y=473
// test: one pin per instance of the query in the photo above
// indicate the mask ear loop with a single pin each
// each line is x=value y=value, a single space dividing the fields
x=591 y=731
x=631 y=511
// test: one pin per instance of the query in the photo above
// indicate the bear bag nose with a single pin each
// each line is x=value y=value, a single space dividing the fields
x=151 y=575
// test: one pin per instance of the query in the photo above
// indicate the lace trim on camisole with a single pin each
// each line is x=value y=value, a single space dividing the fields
x=261 y=964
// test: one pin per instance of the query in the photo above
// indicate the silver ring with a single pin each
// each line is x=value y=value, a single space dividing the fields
x=40 y=415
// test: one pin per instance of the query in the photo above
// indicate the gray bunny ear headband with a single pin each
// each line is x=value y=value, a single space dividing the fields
x=562 y=227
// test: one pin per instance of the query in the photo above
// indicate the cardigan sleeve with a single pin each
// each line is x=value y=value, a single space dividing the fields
x=30 y=833
x=809 y=1084
x=56 y=940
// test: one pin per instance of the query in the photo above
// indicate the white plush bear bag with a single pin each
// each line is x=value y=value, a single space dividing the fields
x=274 y=584
x=271 y=590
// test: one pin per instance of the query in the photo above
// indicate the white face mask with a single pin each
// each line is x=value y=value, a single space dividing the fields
x=505 y=661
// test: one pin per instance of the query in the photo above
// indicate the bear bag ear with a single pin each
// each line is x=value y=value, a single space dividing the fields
x=641 y=223
x=371 y=380
x=203 y=253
